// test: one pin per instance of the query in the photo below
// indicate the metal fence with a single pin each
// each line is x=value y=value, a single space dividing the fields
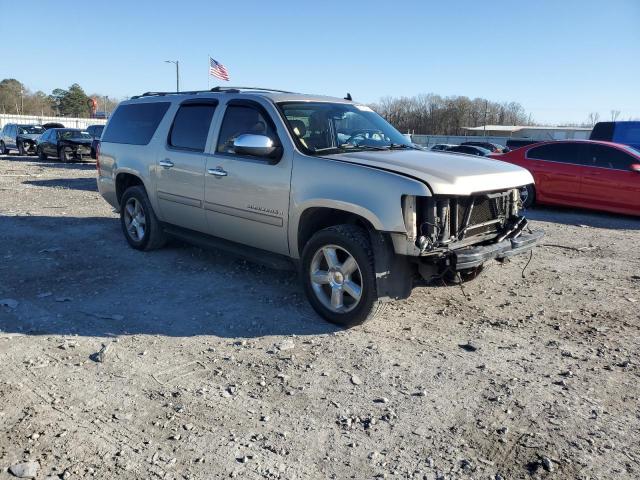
x=39 y=120
x=430 y=140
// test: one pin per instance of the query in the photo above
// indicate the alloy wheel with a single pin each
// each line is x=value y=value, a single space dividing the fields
x=135 y=220
x=336 y=278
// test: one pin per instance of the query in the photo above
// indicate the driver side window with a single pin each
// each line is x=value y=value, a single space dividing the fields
x=239 y=120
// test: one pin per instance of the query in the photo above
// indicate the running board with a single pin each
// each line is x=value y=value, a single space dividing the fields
x=252 y=254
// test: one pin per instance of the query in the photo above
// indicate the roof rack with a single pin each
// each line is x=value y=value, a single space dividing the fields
x=214 y=90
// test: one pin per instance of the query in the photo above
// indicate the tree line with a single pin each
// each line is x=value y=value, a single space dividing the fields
x=16 y=98
x=432 y=114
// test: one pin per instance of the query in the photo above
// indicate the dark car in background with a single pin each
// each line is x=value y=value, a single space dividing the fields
x=514 y=143
x=442 y=146
x=581 y=173
x=50 y=125
x=469 y=150
x=96 y=132
x=19 y=137
x=627 y=133
x=65 y=143
x=492 y=147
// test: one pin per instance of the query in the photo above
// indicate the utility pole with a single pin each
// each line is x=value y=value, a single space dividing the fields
x=21 y=100
x=105 y=106
x=177 y=64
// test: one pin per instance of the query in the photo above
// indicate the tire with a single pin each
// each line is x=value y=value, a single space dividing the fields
x=41 y=155
x=150 y=236
x=62 y=155
x=21 y=149
x=347 y=242
x=528 y=195
x=3 y=149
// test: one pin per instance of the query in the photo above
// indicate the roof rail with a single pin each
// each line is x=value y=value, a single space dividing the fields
x=213 y=90
x=261 y=89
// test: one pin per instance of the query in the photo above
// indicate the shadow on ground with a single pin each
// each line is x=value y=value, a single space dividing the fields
x=51 y=162
x=78 y=276
x=86 y=184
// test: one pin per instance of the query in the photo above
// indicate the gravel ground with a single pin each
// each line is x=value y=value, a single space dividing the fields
x=184 y=363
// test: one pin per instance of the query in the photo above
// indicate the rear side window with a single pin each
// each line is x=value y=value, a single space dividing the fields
x=135 y=123
x=603 y=131
x=191 y=127
x=573 y=153
x=609 y=157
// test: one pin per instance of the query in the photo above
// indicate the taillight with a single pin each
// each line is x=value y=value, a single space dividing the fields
x=98 y=157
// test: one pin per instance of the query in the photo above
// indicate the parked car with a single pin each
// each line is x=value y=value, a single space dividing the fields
x=514 y=143
x=264 y=173
x=492 y=147
x=65 y=143
x=19 y=137
x=96 y=132
x=50 y=125
x=442 y=146
x=627 y=133
x=581 y=173
x=469 y=150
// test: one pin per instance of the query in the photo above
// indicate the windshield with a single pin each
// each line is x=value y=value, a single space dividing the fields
x=30 y=130
x=75 y=134
x=326 y=128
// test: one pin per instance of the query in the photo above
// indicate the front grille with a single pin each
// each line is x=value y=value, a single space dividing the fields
x=450 y=219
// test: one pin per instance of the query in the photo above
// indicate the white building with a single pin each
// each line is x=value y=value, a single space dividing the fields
x=530 y=132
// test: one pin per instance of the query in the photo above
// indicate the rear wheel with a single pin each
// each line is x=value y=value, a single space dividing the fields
x=139 y=223
x=527 y=196
x=339 y=276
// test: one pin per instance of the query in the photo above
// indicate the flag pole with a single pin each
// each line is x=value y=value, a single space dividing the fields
x=208 y=76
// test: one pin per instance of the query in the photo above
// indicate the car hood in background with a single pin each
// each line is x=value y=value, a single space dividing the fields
x=445 y=173
x=30 y=136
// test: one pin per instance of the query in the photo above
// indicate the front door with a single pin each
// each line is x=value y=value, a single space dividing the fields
x=181 y=166
x=247 y=198
x=557 y=168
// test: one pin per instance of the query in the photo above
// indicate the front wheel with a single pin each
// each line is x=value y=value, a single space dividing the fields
x=527 y=196
x=41 y=155
x=3 y=149
x=63 y=155
x=339 y=276
x=21 y=150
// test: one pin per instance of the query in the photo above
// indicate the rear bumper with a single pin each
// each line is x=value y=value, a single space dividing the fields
x=472 y=257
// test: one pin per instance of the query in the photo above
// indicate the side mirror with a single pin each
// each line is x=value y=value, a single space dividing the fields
x=635 y=167
x=256 y=145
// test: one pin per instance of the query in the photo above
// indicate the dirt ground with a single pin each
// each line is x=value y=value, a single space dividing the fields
x=217 y=368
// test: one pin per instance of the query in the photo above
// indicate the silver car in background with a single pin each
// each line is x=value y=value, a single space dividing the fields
x=322 y=184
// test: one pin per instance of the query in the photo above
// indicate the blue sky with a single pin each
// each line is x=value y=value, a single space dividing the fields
x=559 y=59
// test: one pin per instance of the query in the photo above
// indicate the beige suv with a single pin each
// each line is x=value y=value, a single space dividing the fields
x=322 y=184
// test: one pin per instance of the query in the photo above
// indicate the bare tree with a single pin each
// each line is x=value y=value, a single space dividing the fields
x=593 y=118
x=614 y=115
x=436 y=115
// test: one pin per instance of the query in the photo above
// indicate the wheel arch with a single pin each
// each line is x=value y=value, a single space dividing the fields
x=125 y=180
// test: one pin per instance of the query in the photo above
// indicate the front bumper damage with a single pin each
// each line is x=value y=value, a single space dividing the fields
x=472 y=257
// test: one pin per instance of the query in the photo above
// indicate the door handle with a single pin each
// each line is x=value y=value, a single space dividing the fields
x=218 y=172
x=165 y=163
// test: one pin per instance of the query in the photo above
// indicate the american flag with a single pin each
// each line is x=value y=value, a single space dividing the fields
x=218 y=70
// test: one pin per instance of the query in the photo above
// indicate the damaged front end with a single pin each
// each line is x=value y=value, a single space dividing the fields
x=449 y=233
x=28 y=145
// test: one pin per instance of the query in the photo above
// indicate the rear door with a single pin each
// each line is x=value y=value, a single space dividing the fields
x=181 y=165
x=608 y=179
x=557 y=168
x=247 y=198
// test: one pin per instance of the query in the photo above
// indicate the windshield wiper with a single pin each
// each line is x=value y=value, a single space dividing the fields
x=401 y=146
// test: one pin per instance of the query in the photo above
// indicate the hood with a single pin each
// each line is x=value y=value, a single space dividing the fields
x=30 y=136
x=445 y=173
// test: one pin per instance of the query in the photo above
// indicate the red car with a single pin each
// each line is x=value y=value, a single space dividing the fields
x=581 y=173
